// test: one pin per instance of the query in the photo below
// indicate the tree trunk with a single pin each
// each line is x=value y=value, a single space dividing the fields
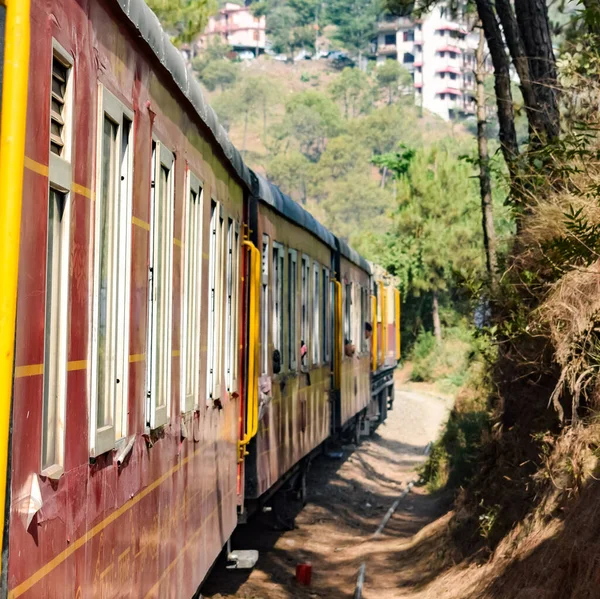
x=435 y=312
x=516 y=48
x=532 y=17
x=504 y=101
x=384 y=176
x=485 y=185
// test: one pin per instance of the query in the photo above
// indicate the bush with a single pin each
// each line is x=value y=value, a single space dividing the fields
x=454 y=455
x=444 y=362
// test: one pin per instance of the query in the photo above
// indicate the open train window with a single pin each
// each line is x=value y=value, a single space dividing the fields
x=326 y=328
x=304 y=311
x=292 y=309
x=213 y=382
x=364 y=317
x=278 y=270
x=264 y=306
x=192 y=295
x=112 y=273
x=316 y=317
x=57 y=266
x=348 y=313
x=231 y=298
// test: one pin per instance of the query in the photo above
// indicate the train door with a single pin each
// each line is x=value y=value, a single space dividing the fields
x=160 y=298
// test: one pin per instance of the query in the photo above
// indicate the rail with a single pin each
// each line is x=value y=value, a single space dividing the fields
x=12 y=157
x=251 y=427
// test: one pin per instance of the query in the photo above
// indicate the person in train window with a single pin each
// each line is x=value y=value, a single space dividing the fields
x=349 y=348
x=368 y=330
x=303 y=351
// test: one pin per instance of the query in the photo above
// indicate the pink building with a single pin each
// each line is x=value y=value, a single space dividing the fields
x=237 y=26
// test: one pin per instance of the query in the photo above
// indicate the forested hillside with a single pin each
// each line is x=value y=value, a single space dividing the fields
x=330 y=137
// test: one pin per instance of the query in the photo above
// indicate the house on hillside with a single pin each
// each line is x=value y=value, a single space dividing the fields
x=439 y=51
x=236 y=26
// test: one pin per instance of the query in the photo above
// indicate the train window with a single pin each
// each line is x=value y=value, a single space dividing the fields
x=214 y=298
x=160 y=287
x=55 y=350
x=316 y=322
x=60 y=103
x=348 y=314
x=231 y=323
x=278 y=270
x=112 y=256
x=304 y=314
x=191 y=308
x=57 y=265
x=235 y=302
x=264 y=306
x=326 y=332
x=292 y=309
x=364 y=317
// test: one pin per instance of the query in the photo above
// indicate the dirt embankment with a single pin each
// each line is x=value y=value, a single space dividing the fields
x=347 y=499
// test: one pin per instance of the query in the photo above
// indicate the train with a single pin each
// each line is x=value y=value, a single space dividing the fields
x=187 y=335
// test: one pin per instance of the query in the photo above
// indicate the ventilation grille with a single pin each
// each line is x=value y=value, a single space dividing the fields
x=57 y=107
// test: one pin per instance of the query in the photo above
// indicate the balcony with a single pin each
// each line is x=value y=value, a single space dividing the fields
x=387 y=49
x=393 y=24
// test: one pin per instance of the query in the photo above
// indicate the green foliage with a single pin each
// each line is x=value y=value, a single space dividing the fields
x=445 y=362
x=289 y=23
x=346 y=210
x=310 y=119
x=220 y=73
x=453 y=457
x=355 y=21
x=292 y=172
x=391 y=77
x=353 y=89
x=183 y=19
x=578 y=245
x=436 y=237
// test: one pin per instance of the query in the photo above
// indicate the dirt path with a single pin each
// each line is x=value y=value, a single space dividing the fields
x=347 y=499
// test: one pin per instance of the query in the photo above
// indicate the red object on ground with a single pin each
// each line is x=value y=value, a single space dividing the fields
x=304 y=574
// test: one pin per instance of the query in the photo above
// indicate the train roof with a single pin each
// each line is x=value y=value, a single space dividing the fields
x=151 y=31
x=353 y=255
x=270 y=194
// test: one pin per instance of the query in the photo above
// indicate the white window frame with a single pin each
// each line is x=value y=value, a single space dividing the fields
x=292 y=307
x=316 y=308
x=104 y=438
x=56 y=328
x=305 y=313
x=278 y=262
x=215 y=304
x=231 y=306
x=325 y=285
x=160 y=296
x=191 y=304
x=347 y=311
x=264 y=304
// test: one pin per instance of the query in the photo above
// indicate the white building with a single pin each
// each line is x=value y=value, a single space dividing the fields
x=440 y=54
x=238 y=27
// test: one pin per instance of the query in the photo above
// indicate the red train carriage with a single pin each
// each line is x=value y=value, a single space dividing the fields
x=171 y=305
x=128 y=378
